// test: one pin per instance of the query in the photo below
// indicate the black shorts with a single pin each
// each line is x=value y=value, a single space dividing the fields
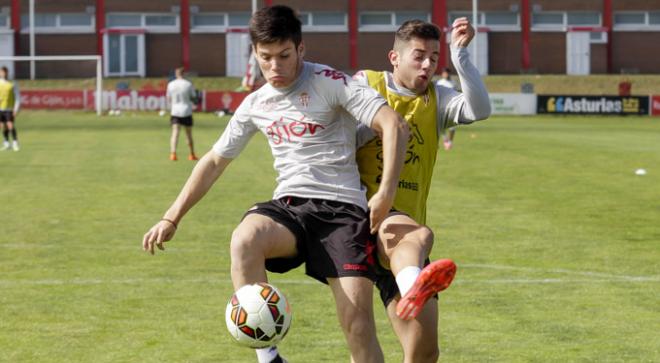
x=184 y=121
x=6 y=116
x=332 y=238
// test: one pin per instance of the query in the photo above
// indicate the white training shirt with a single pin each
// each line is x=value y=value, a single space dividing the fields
x=454 y=108
x=311 y=129
x=180 y=93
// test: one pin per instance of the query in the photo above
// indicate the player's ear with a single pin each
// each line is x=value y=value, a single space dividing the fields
x=301 y=49
x=393 y=56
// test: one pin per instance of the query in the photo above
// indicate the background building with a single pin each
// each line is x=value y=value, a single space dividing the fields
x=150 y=38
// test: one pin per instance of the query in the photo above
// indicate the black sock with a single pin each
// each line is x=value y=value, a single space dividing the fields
x=5 y=133
x=13 y=134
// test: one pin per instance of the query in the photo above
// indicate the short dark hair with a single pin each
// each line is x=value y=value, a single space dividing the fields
x=416 y=29
x=275 y=24
x=5 y=69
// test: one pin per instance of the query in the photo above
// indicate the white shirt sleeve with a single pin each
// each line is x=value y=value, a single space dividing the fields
x=238 y=132
x=364 y=133
x=471 y=105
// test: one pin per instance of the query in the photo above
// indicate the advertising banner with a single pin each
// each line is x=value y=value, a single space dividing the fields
x=512 y=103
x=52 y=99
x=144 y=100
x=655 y=105
x=593 y=105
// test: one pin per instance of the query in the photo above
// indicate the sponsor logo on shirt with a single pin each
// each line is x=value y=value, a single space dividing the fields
x=331 y=73
x=281 y=130
x=355 y=267
x=304 y=99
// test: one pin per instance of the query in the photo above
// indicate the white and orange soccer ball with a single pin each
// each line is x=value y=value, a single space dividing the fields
x=258 y=315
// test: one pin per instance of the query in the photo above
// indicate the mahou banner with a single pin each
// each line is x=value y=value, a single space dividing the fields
x=147 y=100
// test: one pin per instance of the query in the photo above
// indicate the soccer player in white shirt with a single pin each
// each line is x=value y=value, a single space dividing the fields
x=180 y=97
x=318 y=215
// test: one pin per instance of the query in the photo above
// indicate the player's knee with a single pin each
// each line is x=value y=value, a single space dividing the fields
x=357 y=323
x=425 y=237
x=244 y=244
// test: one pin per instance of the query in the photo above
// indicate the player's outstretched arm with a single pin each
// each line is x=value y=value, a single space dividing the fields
x=393 y=131
x=206 y=172
x=473 y=104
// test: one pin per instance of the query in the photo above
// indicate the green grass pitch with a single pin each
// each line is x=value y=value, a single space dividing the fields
x=556 y=239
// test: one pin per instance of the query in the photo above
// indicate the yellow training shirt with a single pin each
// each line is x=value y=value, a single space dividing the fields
x=7 y=99
x=421 y=114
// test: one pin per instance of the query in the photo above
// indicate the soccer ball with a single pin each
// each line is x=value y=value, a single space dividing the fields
x=258 y=315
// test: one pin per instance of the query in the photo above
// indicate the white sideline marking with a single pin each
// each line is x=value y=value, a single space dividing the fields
x=599 y=277
x=606 y=276
x=458 y=281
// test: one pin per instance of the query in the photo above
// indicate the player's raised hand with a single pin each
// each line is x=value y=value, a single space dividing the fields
x=161 y=232
x=462 y=33
x=379 y=207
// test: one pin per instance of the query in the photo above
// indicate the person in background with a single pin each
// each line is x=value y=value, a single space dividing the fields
x=181 y=98
x=10 y=104
x=448 y=134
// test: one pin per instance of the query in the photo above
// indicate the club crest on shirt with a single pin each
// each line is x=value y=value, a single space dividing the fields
x=304 y=99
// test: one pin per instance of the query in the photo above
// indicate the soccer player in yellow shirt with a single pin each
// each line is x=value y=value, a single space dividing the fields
x=408 y=280
x=10 y=103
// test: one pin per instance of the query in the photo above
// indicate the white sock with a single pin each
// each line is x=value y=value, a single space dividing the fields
x=406 y=278
x=266 y=355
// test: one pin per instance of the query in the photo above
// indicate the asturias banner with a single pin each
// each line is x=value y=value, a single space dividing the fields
x=593 y=105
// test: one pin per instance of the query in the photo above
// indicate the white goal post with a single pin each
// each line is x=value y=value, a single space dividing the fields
x=99 y=69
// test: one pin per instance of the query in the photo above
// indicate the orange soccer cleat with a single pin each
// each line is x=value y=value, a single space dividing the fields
x=192 y=157
x=434 y=278
x=173 y=157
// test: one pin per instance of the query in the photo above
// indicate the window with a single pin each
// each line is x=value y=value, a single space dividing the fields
x=654 y=18
x=305 y=19
x=239 y=19
x=367 y=19
x=56 y=22
x=389 y=21
x=598 y=37
x=332 y=21
x=465 y=14
x=158 y=23
x=4 y=23
x=583 y=18
x=160 y=20
x=329 y=19
x=124 y=20
x=547 y=20
x=501 y=19
x=40 y=20
x=208 y=20
x=401 y=17
x=629 y=19
x=76 y=20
